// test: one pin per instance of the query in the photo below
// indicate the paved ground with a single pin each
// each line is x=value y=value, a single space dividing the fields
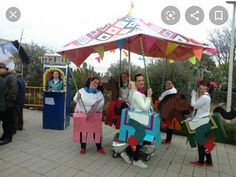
x=38 y=152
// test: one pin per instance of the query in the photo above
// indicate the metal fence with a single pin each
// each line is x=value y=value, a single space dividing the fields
x=34 y=96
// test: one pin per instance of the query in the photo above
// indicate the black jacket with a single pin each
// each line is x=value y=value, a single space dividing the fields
x=2 y=98
x=11 y=89
x=20 y=100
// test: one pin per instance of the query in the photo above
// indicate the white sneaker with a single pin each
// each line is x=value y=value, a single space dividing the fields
x=125 y=157
x=140 y=163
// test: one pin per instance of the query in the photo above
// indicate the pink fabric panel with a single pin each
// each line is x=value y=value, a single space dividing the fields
x=88 y=127
x=89 y=138
x=84 y=136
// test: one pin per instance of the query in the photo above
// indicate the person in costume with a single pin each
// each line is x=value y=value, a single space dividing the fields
x=124 y=89
x=56 y=83
x=138 y=102
x=90 y=99
x=200 y=123
x=117 y=104
x=170 y=89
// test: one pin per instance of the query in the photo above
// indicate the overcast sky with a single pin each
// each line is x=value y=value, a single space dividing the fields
x=54 y=23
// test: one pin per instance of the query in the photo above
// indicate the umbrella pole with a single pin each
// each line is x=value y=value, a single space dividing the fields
x=144 y=61
x=119 y=71
x=164 y=75
x=129 y=69
x=73 y=79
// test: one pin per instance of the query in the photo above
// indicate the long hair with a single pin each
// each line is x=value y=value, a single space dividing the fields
x=58 y=74
x=211 y=86
x=90 y=79
x=121 y=83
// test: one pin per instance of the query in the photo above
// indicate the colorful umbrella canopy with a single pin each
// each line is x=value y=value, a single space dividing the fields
x=137 y=36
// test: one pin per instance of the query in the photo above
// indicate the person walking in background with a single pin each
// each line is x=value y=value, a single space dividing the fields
x=20 y=100
x=2 y=98
x=10 y=95
x=93 y=101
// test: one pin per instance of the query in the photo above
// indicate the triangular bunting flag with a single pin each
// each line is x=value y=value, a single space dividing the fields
x=171 y=61
x=149 y=41
x=98 y=59
x=100 y=51
x=198 y=53
x=193 y=60
x=120 y=43
x=125 y=53
x=170 y=47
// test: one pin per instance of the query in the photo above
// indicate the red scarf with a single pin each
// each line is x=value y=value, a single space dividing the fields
x=141 y=90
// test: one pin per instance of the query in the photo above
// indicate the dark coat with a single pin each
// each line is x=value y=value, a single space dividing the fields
x=11 y=89
x=20 y=100
x=2 y=98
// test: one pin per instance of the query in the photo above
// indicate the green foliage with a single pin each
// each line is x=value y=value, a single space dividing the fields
x=223 y=71
x=220 y=75
x=115 y=69
x=206 y=67
x=230 y=130
x=181 y=73
x=220 y=96
x=80 y=76
x=34 y=71
x=221 y=40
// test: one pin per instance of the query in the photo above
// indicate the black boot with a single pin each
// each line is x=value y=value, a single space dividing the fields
x=5 y=141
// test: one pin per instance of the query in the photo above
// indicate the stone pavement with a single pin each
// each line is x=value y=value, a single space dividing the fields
x=36 y=152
